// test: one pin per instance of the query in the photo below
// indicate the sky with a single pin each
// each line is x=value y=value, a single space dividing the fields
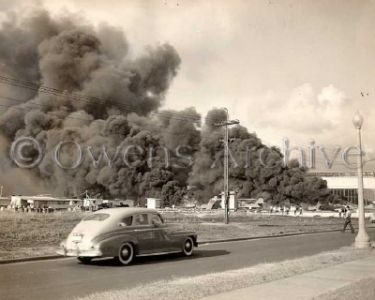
x=293 y=69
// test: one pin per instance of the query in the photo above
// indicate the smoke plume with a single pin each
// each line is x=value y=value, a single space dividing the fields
x=107 y=100
x=65 y=83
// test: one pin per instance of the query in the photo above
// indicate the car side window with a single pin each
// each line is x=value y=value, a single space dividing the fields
x=156 y=219
x=141 y=219
x=127 y=221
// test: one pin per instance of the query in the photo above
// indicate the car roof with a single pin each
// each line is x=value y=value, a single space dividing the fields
x=122 y=211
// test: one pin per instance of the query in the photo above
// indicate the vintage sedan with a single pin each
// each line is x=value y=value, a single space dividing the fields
x=124 y=233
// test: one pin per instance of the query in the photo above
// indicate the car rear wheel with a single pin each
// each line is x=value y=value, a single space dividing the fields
x=188 y=247
x=125 y=254
x=84 y=260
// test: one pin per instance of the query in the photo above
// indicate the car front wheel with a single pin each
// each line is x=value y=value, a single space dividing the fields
x=125 y=254
x=188 y=247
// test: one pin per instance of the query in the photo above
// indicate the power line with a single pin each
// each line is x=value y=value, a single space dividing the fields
x=129 y=107
x=161 y=114
x=27 y=105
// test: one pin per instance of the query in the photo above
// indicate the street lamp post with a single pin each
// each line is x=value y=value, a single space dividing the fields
x=362 y=239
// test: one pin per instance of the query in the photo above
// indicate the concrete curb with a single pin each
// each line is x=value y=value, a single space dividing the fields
x=26 y=259
x=47 y=257
x=273 y=236
x=264 y=237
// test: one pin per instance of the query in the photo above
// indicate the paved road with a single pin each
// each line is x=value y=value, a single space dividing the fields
x=65 y=278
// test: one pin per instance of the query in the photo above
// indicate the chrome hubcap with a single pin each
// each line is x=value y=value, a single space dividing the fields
x=188 y=245
x=125 y=252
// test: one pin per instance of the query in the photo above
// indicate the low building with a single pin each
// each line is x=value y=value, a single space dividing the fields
x=4 y=201
x=232 y=203
x=154 y=203
x=43 y=201
x=345 y=185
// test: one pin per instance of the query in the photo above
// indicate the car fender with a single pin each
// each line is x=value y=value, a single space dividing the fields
x=180 y=236
x=109 y=243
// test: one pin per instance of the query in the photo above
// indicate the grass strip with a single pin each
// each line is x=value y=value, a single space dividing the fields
x=197 y=287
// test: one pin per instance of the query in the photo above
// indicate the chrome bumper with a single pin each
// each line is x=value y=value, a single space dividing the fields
x=79 y=252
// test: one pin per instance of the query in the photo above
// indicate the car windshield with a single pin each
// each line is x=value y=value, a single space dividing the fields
x=96 y=217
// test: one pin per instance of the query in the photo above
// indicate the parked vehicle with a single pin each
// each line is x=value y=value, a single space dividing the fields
x=124 y=233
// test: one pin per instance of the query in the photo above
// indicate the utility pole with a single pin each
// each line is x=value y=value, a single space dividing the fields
x=226 y=123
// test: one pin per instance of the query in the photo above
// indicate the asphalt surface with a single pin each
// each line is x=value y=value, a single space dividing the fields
x=66 y=278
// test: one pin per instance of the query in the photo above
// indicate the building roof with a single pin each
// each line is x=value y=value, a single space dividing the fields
x=349 y=182
x=45 y=198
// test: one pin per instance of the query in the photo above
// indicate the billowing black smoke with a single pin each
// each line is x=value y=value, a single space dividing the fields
x=68 y=84
x=107 y=98
x=255 y=170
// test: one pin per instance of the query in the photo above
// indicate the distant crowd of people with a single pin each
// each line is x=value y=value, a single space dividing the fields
x=28 y=209
x=297 y=210
x=73 y=208
x=42 y=209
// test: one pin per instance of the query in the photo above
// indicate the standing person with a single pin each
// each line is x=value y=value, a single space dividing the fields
x=348 y=220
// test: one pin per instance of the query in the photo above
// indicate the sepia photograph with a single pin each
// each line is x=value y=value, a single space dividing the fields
x=187 y=149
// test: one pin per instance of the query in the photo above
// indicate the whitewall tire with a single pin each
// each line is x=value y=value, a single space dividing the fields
x=188 y=247
x=126 y=254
